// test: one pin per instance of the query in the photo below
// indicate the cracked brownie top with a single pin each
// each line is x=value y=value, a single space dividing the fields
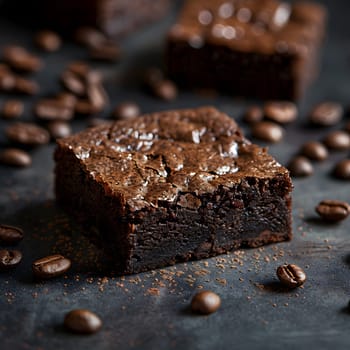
x=158 y=156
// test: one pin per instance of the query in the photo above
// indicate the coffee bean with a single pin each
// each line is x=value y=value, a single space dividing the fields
x=165 y=90
x=281 y=112
x=85 y=107
x=326 y=114
x=126 y=110
x=9 y=259
x=97 y=96
x=291 y=275
x=25 y=86
x=82 y=321
x=342 y=170
x=72 y=83
x=12 y=109
x=333 y=210
x=107 y=52
x=300 y=166
x=337 y=140
x=89 y=37
x=48 y=41
x=205 y=302
x=267 y=131
x=314 y=150
x=10 y=234
x=67 y=99
x=20 y=59
x=15 y=157
x=50 y=266
x=253 y=115
x=7 y=78
x=53 y=109
x=92 y=122
x=80 y=68
x=27 y=134
x=59 y=129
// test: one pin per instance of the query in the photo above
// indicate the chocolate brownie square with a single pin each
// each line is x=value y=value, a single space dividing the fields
x=113 y=17
x=255 y=48
x=173 y=186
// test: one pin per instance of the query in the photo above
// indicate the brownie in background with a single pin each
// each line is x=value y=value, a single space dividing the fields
x=113 y=17
x=254 y=48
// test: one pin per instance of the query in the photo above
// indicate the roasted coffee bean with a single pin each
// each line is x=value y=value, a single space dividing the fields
x=333 y=210
x=107 y=52
x=26 y=86
x=12 y=109
x=165 y=90
x=53 y=109
x=10 y=234
x=80 y=68
x=92 y=122
x=337 y=140
x=85 y=107
x=326 y=114
x=73 y=83
x=15 y=157
x=253 y=115
x=267 y=131
x=342 y=170
x=97 y=96
x=7 y=78
x=300 y=166
x=48 y=41
x=27 y=134
x=50 y=266
x=82 y=321
x=205 y=302
x=59 y=129
x=9 y=259
x=20 y=59
x=281 y=112
x=291 y=275
x=67 y=99
x=314 y=150
x=126 y=110
x=89 y=37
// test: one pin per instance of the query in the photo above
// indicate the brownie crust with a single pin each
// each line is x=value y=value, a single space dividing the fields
x=254 y=48
x=173 y=186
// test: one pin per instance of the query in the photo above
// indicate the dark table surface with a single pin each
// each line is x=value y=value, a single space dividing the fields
x=150 y=310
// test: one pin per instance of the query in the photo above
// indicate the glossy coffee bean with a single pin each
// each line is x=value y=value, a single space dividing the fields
x=50 y=266
x=20 y=59
x=291 y=275
x=26 y=86
x=342 y=170
x=253 y=115
x=126 y=110
x=267 y=131
x=48 y=41
x=165 y=90
x=10 y=234
x=300 y=166
x=337 y=140
x=89 y=37
x=326 y=114
x=15 y=157
x=314 y=150
x=205 y=302
x=9 y=259
x=333 y=210
x=27 y=134
x=12 y=109
x=59 y=129
x=53 y=109
x=281 y=112
x=82 y=321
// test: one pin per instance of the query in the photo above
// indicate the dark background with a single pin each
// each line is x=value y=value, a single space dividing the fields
x=150 y=310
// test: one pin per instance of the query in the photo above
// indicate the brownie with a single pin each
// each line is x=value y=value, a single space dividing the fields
x=173 y=186
x=254 y=48
x=113 y=17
